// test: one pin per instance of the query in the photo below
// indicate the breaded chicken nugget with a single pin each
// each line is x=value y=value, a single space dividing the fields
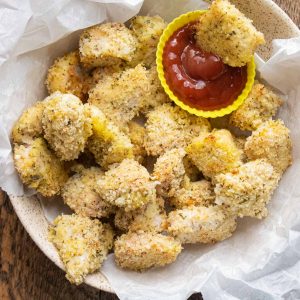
x=240 y=142
x=198 y=193
x=39 y=168
x=201 y=224
x=147 y=30
x=106 y=45
x=157 y=94
x=122 y=98
x=150 y=217
x=66 y=125
x=214 y=152
x=225 y=31
x=127 y=185
x=82 y=244
x=79 y=193
x=271 y=141
x=171 y=127
x=67 y=76
x=191 y=171
x=29 y=125
x=169 y=171
x=260 y=106
x=108 y=144
x=143 y=250
x=136 y=134
x=247 y=190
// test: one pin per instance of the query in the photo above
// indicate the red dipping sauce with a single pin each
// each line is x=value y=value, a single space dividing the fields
x=200 y=79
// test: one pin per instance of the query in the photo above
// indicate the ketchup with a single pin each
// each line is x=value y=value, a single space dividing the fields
x=200 y=79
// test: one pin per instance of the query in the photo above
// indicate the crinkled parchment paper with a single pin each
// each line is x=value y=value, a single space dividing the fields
x=262 y=259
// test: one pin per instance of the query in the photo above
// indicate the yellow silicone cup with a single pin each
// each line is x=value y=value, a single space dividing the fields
x=171 y=28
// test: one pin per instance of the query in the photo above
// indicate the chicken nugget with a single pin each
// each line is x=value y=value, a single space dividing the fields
x=214 y=152
x=260 y=106
x=66 y=125
x=271 y=141
x=29 y=125
x=80 y=195
x=150 y=217
x=127 y=185
x=136 y=134
x=169 y=171
x=169 y=127
x=143 y=250
x=39 y=168
x=106 y=45
x=67 y=76
x=198 y=193
x=247 y=190
x=122 y=98
x=82 y=244
x=191 y=171
x=225 y=31
x=201 y=224
x=108 y=144
x=147 y=30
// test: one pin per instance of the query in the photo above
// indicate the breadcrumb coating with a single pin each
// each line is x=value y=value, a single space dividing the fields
x=82 y=244
x=169 y=172
x=271 y=141
x=260 y=106
x=122 y=98
x=191 y=171
x=66 y=125
x=39 y=168
x=247 y=190
x=108 y=144
x=127 y=185
x=198 y=193
x=225 y=31
x=214 y=152
x=136 y=134
x=147 y=30
x=200 y=224
x=106 y=45
x=169 y=127
x=29 y=125
x=79 y=193
x=150 y=217
x=240 y=142
x=157 y=94
x=143 y=250
x=67 y=76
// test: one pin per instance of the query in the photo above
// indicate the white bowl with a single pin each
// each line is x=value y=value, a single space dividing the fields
x=267 y=17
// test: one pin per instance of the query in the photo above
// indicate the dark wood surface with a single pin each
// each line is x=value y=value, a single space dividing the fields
x=26 y=273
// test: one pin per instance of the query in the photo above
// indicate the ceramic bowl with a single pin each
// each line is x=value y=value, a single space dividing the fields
x=267 y=17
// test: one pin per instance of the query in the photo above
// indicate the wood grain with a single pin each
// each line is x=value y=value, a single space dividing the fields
x=26 y=273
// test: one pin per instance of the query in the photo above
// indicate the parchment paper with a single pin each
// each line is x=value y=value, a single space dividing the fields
x=262 y=259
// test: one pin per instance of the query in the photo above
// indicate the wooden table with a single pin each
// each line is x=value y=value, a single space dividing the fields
x=26 y=273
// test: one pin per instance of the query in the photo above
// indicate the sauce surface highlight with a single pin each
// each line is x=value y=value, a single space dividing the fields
x=200 y=79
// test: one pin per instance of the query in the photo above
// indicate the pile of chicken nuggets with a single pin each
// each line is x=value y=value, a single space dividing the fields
x=143 y=176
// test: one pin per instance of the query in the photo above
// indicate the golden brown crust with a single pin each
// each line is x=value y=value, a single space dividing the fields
x=271 y=141
x=247 y=190
x=82 y=244
x=127 y=185
x=169 y=127
x=225 y=31
x=201 y=224
x=66 y=125
x=214 y=152
x=39 y=168
x=141 y=251
x=106 y=45
x=260 y=106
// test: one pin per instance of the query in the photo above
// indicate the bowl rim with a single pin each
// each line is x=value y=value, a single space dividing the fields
x=105 y=285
